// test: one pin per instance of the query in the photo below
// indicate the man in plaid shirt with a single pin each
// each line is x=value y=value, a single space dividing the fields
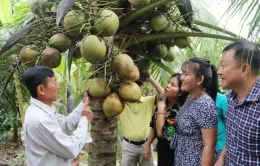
x=239 y=70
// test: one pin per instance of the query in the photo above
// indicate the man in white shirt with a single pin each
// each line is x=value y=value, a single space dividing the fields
x=45 y=131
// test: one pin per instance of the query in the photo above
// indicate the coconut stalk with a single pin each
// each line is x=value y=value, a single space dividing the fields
x=65 y=83
x=141 y=11
x=144 y=38
x=78 y=79
x=19 y=95
x=215 y=28
x=102 y=151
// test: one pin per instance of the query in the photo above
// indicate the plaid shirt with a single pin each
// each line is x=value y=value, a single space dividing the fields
x=243 y=129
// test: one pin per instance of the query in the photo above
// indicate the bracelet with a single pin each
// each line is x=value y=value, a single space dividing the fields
x=159 y=113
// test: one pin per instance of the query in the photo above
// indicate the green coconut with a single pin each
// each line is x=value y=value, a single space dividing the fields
x=29 y=56
x=107 y=23
x=170 y=56
x=170 y=28
x=51 y=57
x=60 y=41
x=158 y=21
x=73 y=22
x=93 y=49
x=38 y=7
x=53 y=9
x=138 y=3
x=77 y=54
x=159 y=51
x=122 y=65
x=130 y=91
x=182 y=42
x=98 y=88
x=113 y=105
x=143 y=65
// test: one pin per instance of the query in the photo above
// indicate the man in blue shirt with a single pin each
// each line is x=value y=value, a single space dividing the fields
x=239 y=70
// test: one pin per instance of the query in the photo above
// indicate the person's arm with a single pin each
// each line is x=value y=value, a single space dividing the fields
x=68 y=123
x=221 y=159
x=51 y=137
x=209 y=140
x=160 y=118
x=147 y=152
x=159 y=89
x=207 y=121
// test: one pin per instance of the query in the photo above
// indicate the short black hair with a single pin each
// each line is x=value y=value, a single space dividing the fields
x=246 y=52
x=36 y=76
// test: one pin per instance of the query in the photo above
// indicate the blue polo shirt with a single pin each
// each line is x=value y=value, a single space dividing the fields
x=221 y=103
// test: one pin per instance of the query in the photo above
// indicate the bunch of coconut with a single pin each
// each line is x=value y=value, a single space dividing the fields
x=93 y=47
x=51 y=56
x=159 y=23
x=113 y=104
x=123 y=65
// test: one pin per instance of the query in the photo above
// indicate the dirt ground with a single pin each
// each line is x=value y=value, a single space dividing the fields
x=13 y=155
x=9 y=152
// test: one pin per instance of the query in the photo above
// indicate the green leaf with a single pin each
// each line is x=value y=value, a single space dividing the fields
x=21 y=10
x=5 y=11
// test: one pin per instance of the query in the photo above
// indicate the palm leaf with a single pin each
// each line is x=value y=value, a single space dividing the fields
x=63 y=7
x=18 y=36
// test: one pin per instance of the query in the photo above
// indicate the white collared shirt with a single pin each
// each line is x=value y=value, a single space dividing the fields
x=45 y=135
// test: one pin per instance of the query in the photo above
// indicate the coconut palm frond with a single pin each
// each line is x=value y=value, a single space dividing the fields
x=249 y=9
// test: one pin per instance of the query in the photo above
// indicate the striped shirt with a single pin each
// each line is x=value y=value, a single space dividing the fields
x=45 y=135
x=243 y=129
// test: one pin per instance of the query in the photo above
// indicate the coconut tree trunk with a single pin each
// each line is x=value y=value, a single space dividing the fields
x=102 y=151
x=19 y=95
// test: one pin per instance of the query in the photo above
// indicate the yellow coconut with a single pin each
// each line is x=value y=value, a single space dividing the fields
x=98 y=88
x=123 y=65
x=113 y=105
x=130 y=91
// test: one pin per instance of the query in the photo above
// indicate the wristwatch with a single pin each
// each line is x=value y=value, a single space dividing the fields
x=163 y=98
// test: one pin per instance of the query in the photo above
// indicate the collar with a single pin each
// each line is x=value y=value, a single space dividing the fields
x=141 y=100
x=49 y=110
x=252 y=96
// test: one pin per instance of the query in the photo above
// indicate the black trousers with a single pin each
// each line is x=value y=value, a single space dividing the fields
x=165 y=153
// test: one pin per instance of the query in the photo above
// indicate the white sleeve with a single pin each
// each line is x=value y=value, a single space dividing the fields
x=68 y=123
x=52 y=138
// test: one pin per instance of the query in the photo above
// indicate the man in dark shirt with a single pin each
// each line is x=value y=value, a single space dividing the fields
x=239 y=70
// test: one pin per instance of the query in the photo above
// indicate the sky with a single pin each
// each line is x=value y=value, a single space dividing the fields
x=234 y=24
